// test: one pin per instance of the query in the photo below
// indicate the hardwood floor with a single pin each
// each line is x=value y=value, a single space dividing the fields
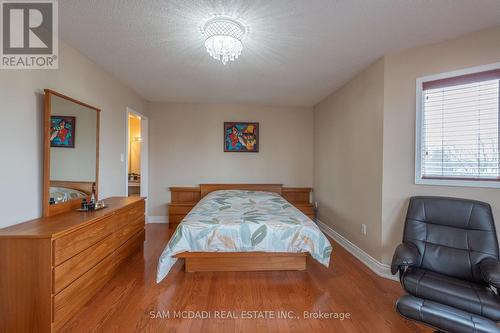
x=132 y=298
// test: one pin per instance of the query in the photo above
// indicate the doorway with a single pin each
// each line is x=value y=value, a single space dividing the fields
x=137 y=159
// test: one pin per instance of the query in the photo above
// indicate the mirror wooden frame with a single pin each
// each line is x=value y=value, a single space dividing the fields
x=49 y=210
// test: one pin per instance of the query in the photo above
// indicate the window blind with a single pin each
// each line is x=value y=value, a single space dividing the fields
x=460 y=132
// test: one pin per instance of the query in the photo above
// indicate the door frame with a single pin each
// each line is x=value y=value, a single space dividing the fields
x=144 y=153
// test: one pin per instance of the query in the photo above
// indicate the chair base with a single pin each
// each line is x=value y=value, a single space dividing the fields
x=443 y=317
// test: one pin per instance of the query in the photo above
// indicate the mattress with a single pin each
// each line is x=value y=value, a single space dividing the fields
x=245 y=221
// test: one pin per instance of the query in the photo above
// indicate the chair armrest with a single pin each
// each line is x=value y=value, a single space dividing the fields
x=490 y=271
x=406 y=254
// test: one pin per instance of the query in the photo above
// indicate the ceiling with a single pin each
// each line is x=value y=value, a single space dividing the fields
x=297 y=51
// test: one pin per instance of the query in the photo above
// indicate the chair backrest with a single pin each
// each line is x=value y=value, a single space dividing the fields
x=452 y=235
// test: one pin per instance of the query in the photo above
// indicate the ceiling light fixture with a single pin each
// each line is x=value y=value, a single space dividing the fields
x=223 y=37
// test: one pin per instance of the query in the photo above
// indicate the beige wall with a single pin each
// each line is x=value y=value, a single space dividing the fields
x=364 y=143
x=401 y=70
x=21 y=128
x=186 y=148
x=348 y=158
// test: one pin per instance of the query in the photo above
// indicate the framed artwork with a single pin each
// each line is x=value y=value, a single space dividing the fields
x=241 y=137
x=62 y=131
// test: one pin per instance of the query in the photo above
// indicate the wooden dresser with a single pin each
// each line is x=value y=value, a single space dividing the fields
x=50 y=267
x=183 y=199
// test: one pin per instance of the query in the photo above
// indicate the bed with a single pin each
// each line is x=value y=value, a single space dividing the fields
x=63 y=194
x=235 y=228
x=64 y=191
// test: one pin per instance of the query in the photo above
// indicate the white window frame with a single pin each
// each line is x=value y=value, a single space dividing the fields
x=419 y=130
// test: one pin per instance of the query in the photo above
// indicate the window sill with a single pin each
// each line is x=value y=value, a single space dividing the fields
x=457 y=182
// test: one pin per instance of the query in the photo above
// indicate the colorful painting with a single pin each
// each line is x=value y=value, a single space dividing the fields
x=62 y=131
x=241 y=137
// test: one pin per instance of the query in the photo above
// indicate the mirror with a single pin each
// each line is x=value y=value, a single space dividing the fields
x=71 y=157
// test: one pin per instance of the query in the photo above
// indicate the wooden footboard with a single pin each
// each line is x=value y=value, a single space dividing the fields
x=243 y=261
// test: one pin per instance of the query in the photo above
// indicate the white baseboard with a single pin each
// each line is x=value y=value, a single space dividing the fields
x=377 y=267
x=157 y=219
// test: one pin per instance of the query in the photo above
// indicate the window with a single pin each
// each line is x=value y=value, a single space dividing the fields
x=458 y=129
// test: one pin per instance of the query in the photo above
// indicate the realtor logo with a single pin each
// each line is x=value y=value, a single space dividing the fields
x=29 y=36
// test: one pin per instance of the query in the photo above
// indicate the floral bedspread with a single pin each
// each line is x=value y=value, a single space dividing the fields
x=242 y=221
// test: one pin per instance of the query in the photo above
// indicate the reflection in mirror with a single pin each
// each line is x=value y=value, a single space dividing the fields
x=73 y=140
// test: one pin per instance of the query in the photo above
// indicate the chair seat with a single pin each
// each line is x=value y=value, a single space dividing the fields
x=444 y=317
x=464 y=295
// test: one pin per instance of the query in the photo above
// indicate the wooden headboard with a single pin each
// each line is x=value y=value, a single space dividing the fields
x=207 y=188
x=85 y=187
x=183 y=199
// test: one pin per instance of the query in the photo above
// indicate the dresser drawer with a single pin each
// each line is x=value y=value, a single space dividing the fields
x=74 y=296
x=81 y=239
x=73 y=268
x=128 y=231
x=129 y=247
x=125 y=216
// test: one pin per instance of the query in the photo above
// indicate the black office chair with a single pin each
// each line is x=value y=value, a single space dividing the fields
x=448 y=264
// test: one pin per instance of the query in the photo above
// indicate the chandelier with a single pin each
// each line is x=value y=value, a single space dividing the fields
x=223 y=38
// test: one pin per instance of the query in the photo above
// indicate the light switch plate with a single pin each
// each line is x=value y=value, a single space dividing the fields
x=363 y=229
